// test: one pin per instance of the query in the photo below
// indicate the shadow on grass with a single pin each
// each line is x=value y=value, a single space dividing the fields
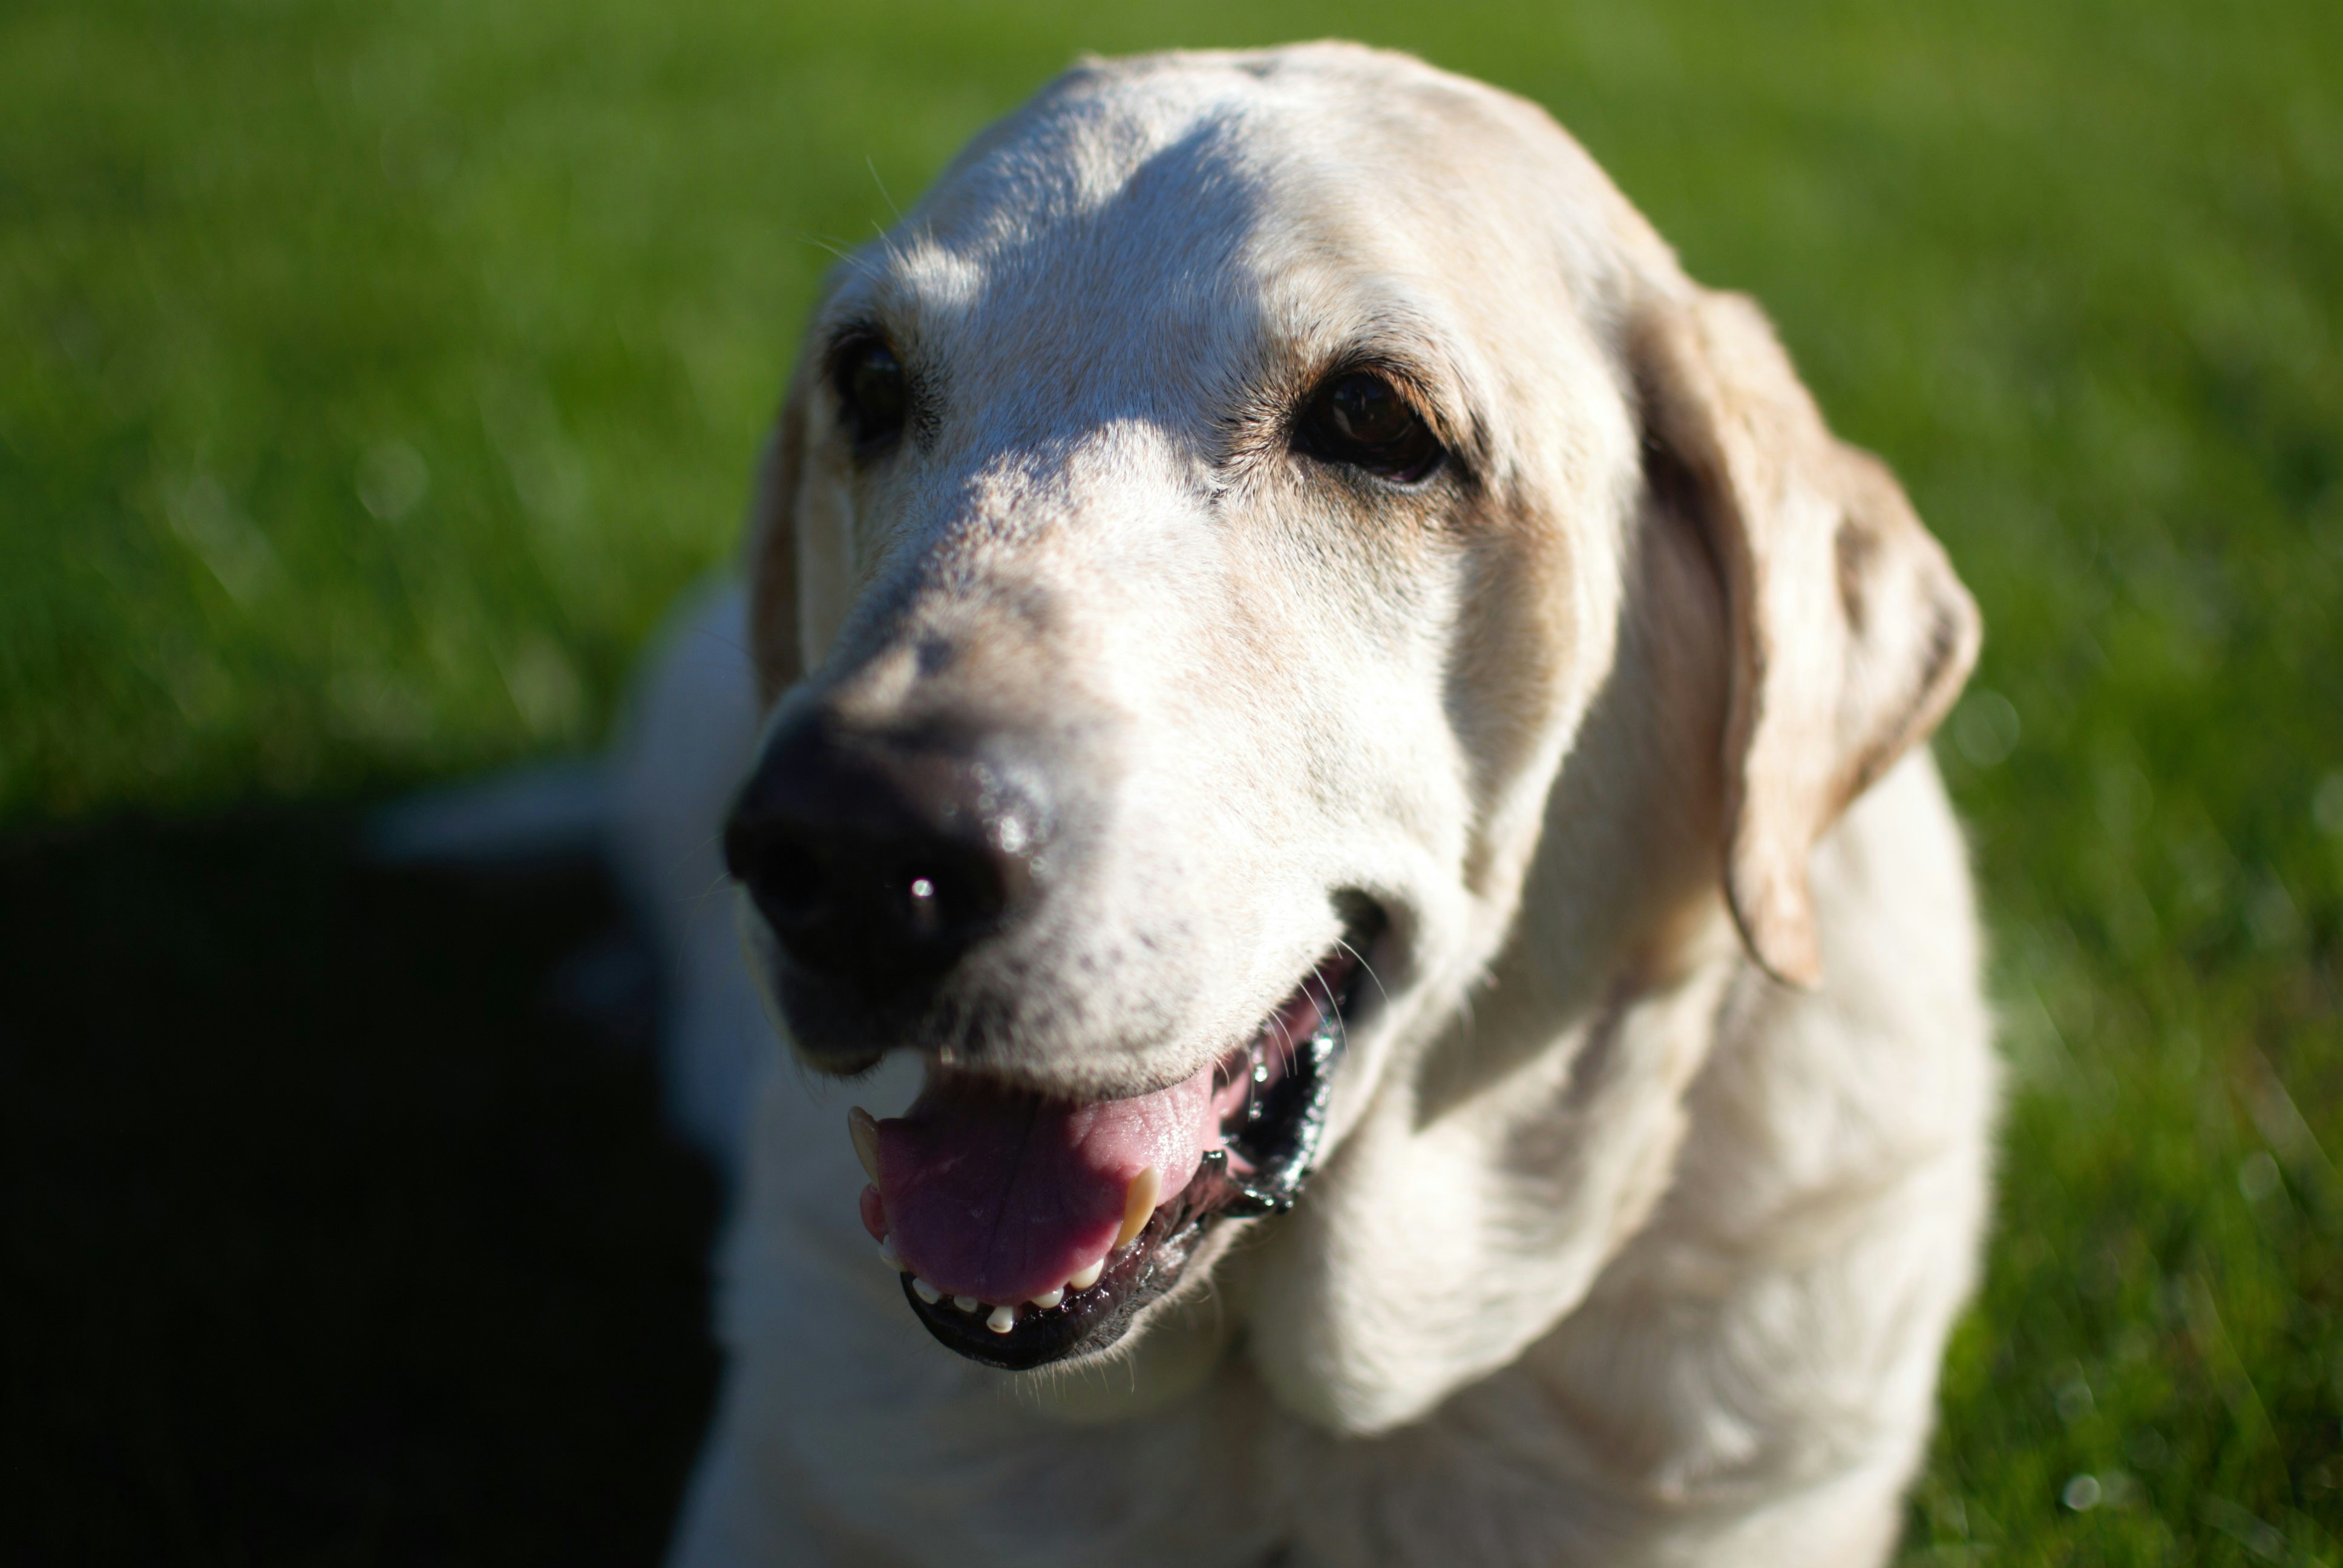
x=330 y=1235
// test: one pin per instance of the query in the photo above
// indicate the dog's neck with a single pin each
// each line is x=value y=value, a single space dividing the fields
x=1508 y=1158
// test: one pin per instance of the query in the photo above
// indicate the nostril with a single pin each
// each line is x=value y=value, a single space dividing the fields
x=774 y=861
x=788 y=880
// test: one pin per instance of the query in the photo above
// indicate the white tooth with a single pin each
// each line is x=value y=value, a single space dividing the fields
x=888 y=1255
x=1139 y=1204
x=863 y=1128
x=966 y=1303
x=1050 y=1299
x=1088 y=1277
x=925 y=1292
x=1000 y=1320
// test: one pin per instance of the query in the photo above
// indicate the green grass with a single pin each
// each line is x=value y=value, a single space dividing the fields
x=375 y=376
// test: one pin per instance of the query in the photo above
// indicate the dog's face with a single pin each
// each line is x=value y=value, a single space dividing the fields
x=1196 y=541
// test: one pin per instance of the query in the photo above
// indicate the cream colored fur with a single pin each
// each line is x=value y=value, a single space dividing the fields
x=1657 y=1174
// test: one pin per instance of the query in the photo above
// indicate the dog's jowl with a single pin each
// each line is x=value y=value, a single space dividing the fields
x=1334 y=751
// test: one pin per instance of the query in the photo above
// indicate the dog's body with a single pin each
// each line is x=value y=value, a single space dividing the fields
x=1622 y=1248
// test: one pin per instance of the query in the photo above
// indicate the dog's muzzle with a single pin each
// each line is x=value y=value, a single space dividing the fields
x=1027 y=1227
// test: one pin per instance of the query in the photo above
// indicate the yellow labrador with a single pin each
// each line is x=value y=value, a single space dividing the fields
x=1336 y=745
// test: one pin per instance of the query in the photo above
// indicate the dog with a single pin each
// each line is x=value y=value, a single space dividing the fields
x=1338 y=748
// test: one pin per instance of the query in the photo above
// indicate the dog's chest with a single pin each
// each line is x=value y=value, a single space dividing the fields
x=1506 y=1472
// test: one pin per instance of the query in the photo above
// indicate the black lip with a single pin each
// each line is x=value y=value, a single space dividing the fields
x=1292 y=1125
x=1086 y=1321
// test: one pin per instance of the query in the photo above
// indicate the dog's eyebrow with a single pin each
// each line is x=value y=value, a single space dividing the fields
x=861 y=310
x=894 y=283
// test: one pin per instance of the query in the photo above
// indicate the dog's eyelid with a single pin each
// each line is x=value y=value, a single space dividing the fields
x=851 y=335
x=874 y=415
x=1424 y=390
x=1414 y=390
x=1408 y=379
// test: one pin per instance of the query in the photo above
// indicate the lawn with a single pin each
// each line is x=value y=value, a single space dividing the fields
x=376 y=374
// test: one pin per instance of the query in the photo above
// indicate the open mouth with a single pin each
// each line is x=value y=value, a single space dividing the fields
x=1028 y=1229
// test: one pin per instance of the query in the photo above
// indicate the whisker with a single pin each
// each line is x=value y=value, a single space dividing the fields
x=756 y=664
x=872 y=164
x=839 y=248
x=1365 y=966
x=722 y=884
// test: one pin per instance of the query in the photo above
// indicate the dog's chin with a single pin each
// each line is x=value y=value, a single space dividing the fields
x=1258 y=1137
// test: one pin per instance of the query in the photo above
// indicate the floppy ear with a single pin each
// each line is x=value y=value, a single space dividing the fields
x=1850 y=636
x=770 y=557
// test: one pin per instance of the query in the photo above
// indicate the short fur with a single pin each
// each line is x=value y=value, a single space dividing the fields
x=1658 y=1169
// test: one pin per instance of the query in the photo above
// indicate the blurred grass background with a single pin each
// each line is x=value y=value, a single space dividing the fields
x=376 y=374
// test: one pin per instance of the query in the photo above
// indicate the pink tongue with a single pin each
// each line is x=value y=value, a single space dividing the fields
x=1003 y=1195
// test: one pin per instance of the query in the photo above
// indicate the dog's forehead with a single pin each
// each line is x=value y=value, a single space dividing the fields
x=1182 y=217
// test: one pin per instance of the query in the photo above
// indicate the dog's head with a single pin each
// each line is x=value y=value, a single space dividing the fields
x=1255 y=509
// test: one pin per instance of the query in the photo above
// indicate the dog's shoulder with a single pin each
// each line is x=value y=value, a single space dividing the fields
x=1786 y=1303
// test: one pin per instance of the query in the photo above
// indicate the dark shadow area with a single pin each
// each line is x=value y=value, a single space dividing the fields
x=335 y=1230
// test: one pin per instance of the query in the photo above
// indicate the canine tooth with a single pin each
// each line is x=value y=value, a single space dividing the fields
x=1050 y=1298
x=1088 y=1277
x=863 y=1128
x=966 y=1303
x=1000 y=1320
x=925 y=1292
x=1138 y=1203
x=888 y=1256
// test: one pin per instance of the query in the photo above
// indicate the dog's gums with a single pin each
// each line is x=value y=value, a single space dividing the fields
x=1069 y=1251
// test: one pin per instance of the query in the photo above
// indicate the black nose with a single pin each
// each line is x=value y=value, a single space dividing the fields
x=878 y=861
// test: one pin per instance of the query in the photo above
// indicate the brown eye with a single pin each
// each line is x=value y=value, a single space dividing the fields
x=1359 y=418
x=872 y=392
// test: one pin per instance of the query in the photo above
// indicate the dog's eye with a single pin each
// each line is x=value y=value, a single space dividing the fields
x=1362 y=419
x=872 y=392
